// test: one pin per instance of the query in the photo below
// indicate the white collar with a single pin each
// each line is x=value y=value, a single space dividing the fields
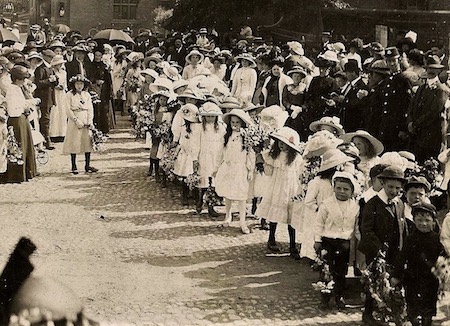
x=384 y=197
x=355 y=80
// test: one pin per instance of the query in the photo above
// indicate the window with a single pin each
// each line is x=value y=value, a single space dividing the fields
x=125 y=9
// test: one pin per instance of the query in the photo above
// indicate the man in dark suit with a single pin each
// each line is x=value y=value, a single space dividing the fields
x=383 y=225
x=180 y=52
x=80 y=65
x=352 y=109
x=45 y=81
x=397 y=98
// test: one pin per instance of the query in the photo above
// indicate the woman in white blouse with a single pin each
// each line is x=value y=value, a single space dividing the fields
x=18 y=108
x=244 y=81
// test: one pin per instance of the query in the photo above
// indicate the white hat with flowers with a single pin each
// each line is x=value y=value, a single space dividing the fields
x=210 y=109
x=189 y=112
x=333 y=122
x=273 y=117
x=288 y=136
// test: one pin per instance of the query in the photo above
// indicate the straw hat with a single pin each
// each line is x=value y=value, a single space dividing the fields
x=230 y=102
x=57 y=44
x=320 y=142
x=194 y=52
x=351 y=150
x=333 y=122
x=345 y=175
x=189 y=112
x=238 y=113
x=394 y=159
x=297 y=70
x=296 y=47
x=79 y=78
x=171 y=73
x=179 y=83
x=80 y=48
x=210 y=109
x=34 y=55
x=248 y=57
x=273 y=117
x=155 y=57
x=288 y=136
x=160 y=82
x=190 y=93
x=332 y=158
x=150 y=72
x=329 y=56
x=57 y=59
x=377 y=145
x=252 y=107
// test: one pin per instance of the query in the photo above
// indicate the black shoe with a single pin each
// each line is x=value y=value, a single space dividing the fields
x=295 y=254
x=49 y=146
x=212 y=212
x=75 y=171
x=340 y=303
x=273 y=247
x=368 y=319
x=90 y=169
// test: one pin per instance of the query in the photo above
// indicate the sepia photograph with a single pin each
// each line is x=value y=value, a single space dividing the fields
x=210 y=162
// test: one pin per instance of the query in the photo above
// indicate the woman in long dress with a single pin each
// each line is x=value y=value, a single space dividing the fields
x=18 y=107
x=58 y=115
x=244 y=81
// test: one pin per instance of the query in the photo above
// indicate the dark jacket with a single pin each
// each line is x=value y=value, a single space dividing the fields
x=352 y=112
x=73 y=68
x=44 y=88
x=320 y=89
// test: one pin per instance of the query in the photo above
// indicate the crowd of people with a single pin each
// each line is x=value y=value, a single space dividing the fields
x=341 y=147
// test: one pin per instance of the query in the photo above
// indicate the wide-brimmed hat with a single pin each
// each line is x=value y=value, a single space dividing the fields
x=230 y=102
x=380 y=67
x=377 y=145
x=337 y=47
x=433 y=62
x=288 y=136
x=345 y=175
x=171 y=72
x=351 y=150
x=80 y=48
x=248 y=57
x=57 y=59
x=193 y=94
x=149 y=72
x=375 y=47
x=333 y=158
x=19 y=72
x=194 y=52
x=203 y=30
x=160 y=82
x=134 y=57
x=273 y=117
x=329 y=56
x=410 y=160
x=320 y=142
x=57 y=44
x=79 y=78
x=121 y=50
x=417 y=181
x=392 y=172
x=155 y=57
x=391 y=53
x=394 y=159
x=48 y=53
x=333 y=122
x=252 y=107
x=179 y=83
x=210 y=109
x=189 y=112
x=35 y=27
x=297 y=70
x=240 y=114
x=423 y=206
x=34 y=55
x=296 y=47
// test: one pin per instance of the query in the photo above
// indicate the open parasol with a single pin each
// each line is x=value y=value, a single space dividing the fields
x=113 y=35
x=7 y=35
x=61 y=28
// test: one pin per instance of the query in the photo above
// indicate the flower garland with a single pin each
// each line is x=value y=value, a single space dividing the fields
x=326 y=283
x=167 y=163
x=97 y=138
x=15 y=154
x=442 y=272
x=255 y=138
x=390 y=300
x=143 y=116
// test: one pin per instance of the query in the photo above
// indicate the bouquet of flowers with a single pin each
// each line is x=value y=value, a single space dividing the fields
x=390 y=300
x=192 y=180
x=95 y=97
x=311 y=168
x=162 y=131
x=97 y=138
x=255 y=138
x=167 y=162
x=326 y=283
x=211 y=198
x=442 y=272
x=431 y=171
x=15 y=154
x=134 y=85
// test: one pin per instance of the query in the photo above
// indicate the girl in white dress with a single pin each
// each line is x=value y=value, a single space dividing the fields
x=211 y=147
x=283 y=165
x=188 y=147
x=236 y=168
x=58 y=115
x=244 y=81
x=81 y=116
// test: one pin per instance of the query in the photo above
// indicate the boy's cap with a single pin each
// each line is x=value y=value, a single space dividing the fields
x=423 y=207
x=415 y=181
x=376 y=170
x=392 y=172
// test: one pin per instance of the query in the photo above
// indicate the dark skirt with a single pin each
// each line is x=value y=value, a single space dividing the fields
x=26 y=171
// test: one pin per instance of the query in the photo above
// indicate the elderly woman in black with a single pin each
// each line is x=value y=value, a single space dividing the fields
x=18 y=108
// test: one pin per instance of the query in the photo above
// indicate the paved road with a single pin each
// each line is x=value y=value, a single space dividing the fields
x=134 y=255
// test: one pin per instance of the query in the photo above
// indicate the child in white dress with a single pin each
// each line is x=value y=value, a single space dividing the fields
x=188 y=148
x=283 y=166
x=236 y=168
x=211 y=147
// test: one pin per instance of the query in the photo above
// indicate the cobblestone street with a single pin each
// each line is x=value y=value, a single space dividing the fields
x=136 y=256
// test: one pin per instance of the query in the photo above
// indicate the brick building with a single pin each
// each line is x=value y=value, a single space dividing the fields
x=84 y=15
